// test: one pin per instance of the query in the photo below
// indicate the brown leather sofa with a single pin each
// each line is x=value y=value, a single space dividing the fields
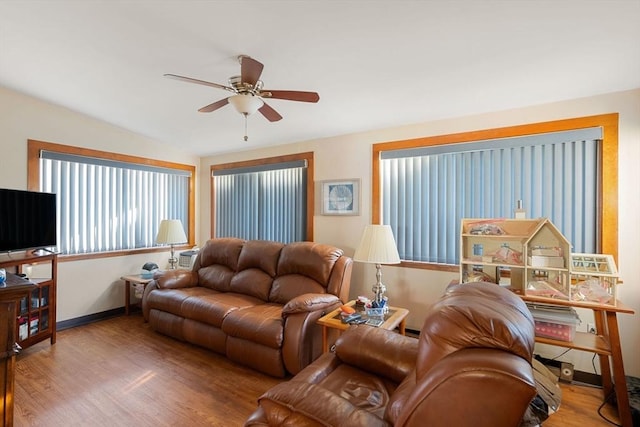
x=254 y=301
x=470 y=366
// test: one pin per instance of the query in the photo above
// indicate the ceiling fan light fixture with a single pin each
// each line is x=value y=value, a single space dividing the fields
x=248 y=93
x=246 y=104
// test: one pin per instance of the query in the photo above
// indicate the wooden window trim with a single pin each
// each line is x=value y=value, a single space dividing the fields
x=608 y=203
x=308 y=156
x=34 y=148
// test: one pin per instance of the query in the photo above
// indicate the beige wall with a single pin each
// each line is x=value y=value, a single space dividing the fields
x=349 y=156
x=90 y=286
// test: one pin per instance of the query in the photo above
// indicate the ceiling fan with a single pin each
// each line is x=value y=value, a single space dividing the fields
x=248 y=92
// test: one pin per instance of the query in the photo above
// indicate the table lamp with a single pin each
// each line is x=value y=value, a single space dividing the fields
x=171 y=233
x=377 y=246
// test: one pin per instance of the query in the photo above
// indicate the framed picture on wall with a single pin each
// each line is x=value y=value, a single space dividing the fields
x=341 y=197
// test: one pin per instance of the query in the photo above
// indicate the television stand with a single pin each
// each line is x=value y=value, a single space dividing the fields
x=35 y=251
x=14 y=290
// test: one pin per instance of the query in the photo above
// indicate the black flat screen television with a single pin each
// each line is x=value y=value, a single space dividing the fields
x=27 y=220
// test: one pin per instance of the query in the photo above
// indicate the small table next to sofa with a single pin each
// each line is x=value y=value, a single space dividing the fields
x=395 y=318
x=132 y=279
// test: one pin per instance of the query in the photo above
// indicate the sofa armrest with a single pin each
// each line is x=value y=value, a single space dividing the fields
x=302 y=335
x=378 y=351
x=296 y=403
x=307 y=303
x=175 y=279
x=463 y=388
x=145 y=299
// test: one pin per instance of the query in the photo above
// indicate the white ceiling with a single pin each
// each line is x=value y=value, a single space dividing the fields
x=375 y=64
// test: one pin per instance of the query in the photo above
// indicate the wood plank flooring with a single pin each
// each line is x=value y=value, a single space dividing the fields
x=117 y=372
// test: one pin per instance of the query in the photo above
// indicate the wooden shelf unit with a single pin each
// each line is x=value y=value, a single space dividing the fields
x=605 y=343
x=36 y=314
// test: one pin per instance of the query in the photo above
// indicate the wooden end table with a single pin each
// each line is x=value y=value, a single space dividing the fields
x=135 y=279
x=395 y=318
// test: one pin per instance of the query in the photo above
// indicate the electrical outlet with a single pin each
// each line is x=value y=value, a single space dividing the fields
x=591 y=328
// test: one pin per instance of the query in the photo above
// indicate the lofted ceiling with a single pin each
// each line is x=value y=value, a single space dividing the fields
x=375 y=63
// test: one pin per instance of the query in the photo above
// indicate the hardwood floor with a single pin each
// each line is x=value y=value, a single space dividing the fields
x=118 y=372
x=579 y=408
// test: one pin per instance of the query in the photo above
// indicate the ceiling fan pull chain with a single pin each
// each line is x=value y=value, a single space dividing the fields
x=246 y=138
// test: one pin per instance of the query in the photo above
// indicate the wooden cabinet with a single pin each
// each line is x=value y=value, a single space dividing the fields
x=36 y=313
x=529 y=256
x=11 y=292
x=27 y=313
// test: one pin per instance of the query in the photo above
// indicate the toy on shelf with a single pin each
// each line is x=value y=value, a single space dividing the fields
x=594 y=278
x=528 y=256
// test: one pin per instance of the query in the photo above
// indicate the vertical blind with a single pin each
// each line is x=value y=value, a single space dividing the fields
x=106 y=205
x=266 y=203
x=427 y=191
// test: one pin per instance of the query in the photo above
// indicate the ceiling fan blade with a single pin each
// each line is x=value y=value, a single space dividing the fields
x=291 y=95
x=213 y=107
x=250 y=70
x=200 y=82
x=269 y=113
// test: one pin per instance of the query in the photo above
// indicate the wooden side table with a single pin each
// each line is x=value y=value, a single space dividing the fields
x=133 y=279
x=395 y=318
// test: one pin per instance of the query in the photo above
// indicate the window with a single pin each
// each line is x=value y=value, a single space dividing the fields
x=424 y=187
x=110 y=202
x=267 y=199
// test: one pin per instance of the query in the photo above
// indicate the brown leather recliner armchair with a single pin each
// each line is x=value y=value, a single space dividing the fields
x=471 y=366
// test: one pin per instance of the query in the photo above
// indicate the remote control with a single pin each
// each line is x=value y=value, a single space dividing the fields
x=350 y=318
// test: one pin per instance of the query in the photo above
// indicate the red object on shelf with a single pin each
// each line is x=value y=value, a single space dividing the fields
x=556 y=331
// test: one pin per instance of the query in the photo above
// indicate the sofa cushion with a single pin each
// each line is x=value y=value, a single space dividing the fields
x=303 y=268
x=252 y=282
x=286 y=288
x=262 y=324
x=311 y=260
x=361 y=349
x=260 y=254
x=217 y=262
x=216 y=277
x=213 y=307
x=170 y=300
x=256 y=268
x=362 y=389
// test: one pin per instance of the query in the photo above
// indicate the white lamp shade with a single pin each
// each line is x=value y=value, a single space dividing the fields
x=171 y=232
x=377 y=246
x=246 y=104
